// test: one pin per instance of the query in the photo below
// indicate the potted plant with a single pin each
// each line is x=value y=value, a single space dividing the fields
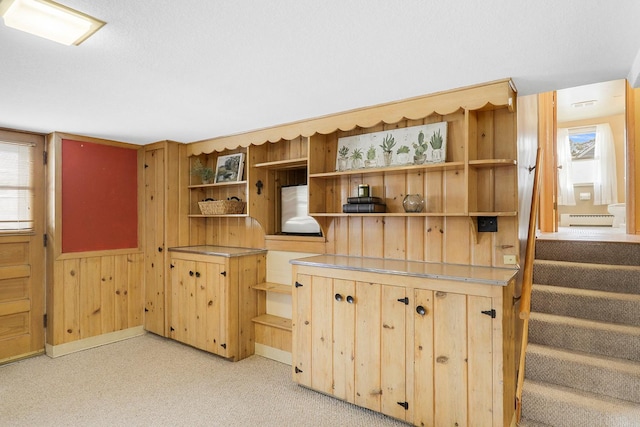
x=387 y=148
x=403 y=154
x=371 y=157
x=343 y=158
x=420 y=150
x=205 y=173
x=356 y=158
x=436 y=144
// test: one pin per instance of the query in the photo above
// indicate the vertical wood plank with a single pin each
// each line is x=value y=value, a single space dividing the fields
x=322 y=334
x=480 y=361
x=122 y=290
x=135 y=276
x=423 y=386
x=90 y=294
x=107 y=294
x=71 y=284
x=450 y=351
x=393 y=340
x=301 y=329
x=344 y=317
x=368 y=363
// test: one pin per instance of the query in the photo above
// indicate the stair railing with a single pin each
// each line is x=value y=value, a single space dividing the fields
x=527 y=278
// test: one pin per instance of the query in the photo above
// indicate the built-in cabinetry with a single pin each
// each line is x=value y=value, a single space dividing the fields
x=213 y=300
x=160 y=228
x=430 y=344
x=478 y=177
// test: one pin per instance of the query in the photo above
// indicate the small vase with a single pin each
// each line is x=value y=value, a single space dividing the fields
x=370 y=163
x=356 y=163
x=387 y=158
x=403 y=158
x=413 y=203
x=437 y=155
x=342 y=164
x=418 y=160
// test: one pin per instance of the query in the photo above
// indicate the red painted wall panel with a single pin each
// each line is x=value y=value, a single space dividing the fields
x=99 y=197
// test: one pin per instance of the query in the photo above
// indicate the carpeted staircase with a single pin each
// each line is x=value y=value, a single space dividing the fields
x=583 y=358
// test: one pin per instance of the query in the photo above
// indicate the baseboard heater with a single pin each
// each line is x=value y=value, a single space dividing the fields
x=572 y=220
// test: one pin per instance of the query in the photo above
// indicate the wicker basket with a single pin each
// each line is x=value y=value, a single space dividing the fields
x=221 y=207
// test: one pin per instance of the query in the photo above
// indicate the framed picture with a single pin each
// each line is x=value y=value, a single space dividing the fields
x=396 y=147
x=229 y=168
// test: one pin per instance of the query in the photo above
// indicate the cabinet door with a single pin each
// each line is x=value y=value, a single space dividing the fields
x=183 y=289
x=393 y=348
x=301 y=330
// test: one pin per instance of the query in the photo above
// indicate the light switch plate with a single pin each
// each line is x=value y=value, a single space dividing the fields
x=509 y=259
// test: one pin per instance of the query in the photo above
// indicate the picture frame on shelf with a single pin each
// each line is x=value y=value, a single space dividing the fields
x=411 y=145
x=229 y=168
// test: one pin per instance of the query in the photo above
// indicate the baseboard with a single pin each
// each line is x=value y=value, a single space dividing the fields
x=273 y=354
x=91 y=342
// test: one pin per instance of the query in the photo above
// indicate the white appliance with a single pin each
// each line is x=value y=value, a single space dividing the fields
x=294 y=206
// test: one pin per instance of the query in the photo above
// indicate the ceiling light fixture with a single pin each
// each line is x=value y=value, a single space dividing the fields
x=581 y=104
x=53 y=21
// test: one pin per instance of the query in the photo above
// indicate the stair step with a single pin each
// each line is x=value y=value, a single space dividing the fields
x=596 y=374
x=608 y=278
x=562 y=406
x=611 y=307
x=605 y=339
x=614 y=253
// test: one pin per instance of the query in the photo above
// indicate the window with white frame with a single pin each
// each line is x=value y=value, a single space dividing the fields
x=16 y=186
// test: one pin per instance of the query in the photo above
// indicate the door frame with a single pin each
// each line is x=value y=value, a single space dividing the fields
x=547 y=130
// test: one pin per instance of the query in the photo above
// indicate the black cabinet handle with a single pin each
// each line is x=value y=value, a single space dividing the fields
x=197 y=274
x=421 y=310
x=190 y=273
x=350 y=299
x=159 y=249
x=338 y=297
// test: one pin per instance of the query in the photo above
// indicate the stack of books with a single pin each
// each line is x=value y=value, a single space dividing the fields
x=364 y=205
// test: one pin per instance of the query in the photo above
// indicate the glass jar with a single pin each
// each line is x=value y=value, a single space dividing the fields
x=413 y=203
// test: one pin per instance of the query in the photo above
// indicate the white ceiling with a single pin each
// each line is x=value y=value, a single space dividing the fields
x=196 y=69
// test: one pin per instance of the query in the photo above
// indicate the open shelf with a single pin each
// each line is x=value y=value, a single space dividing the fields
x=391 y=170
x=219 y=184
x=273 y=287
x=389 y=214
x=491 y=163
x=273 y=321
x=283 y=164
x=218 y=216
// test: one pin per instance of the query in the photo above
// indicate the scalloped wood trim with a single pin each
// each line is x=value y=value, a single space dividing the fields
x=492 y=95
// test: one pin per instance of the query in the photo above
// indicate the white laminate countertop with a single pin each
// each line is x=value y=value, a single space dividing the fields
x=429 y=270
x=224 y=251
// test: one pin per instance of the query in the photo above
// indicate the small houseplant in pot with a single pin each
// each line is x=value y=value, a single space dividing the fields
x=403 y=154
x=205 y=173
x=343 y=158
x=420 y=154
x=436 y=145
x=356 y=158
x=387 y=148
x=371 y=157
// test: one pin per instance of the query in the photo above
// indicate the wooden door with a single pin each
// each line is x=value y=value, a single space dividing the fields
x=22 y=268
x=301 y=329
x=394 y=307
x=154 y=216
x=183 y=285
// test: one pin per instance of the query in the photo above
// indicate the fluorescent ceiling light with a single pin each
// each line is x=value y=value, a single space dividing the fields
x=50 y=20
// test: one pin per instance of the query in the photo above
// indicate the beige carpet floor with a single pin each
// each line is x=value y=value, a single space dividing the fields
x=152 y=381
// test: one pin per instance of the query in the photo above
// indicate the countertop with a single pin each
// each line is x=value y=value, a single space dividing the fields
x=428 y=270
x=224 y=251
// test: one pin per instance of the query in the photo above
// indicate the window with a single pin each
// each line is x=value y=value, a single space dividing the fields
x=582 y=142
x=16 y=186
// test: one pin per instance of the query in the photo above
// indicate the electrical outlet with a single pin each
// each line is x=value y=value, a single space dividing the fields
x=509 y=260
x=487 y=224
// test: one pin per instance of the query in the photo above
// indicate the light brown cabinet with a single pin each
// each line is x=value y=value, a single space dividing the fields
x=387 y=336
x=213 y=301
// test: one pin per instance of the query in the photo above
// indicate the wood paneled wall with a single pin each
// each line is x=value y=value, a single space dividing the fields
x=94 y=295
